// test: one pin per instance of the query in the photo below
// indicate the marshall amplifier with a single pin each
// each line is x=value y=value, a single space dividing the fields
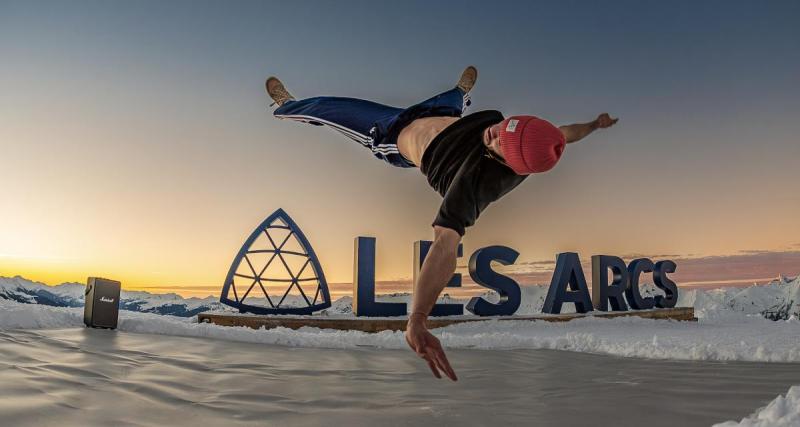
x=101 y=308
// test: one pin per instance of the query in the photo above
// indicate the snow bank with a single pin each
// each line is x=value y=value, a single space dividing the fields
x=777 y=300
x=731 y=338
x=781 y=412
x=14 y=315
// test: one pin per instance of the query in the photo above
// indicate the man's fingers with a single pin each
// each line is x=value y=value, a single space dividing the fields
x=441 y=356
x=429 y=348
x=605 y=120
x=432 y=366
x=437 y=354
x=444 y=364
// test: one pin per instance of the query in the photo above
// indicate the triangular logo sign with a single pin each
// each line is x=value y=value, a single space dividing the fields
x=276 y=272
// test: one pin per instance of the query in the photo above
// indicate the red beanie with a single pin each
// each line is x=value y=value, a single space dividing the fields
x=530 y=144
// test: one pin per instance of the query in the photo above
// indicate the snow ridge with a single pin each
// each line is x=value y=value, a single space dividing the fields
x=781 y=412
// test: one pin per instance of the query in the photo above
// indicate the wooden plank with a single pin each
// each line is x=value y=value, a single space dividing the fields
x=367 y=324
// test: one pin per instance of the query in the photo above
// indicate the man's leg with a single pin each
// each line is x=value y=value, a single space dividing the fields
x=353 y=117
x=454 y=98
x=366 y=122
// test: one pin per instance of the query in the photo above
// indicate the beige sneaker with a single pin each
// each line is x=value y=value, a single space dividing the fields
x=468 y=78
x=277 y=92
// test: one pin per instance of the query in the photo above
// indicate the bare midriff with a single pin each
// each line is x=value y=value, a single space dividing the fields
x=417 y=136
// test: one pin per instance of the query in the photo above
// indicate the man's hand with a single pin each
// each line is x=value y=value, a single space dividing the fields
x=604 y=121
x=578 y=131
x=427 y=346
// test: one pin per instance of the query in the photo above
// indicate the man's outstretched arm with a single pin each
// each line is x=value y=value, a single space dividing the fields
x=438 y=268
x=578 y=131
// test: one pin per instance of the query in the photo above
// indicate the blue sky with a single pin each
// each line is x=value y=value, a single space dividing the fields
x=168 y=97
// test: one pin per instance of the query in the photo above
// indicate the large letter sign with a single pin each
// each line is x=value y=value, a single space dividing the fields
x=364 y=303
x=625 y=281
x=632 y=294
x=568 y=273
x=664 y=283
x=568 y=283
x=480 y=269
x=603 y=292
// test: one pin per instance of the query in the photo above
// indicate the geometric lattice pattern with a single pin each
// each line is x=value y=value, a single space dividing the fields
x=276 y=272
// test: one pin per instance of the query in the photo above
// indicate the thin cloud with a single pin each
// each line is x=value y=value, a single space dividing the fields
x=650 y=256
x=537 y=263
x=198 y=288
x=756 y=251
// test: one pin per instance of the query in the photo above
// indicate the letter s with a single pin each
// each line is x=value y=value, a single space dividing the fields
x=664 y=283
x=480 y=270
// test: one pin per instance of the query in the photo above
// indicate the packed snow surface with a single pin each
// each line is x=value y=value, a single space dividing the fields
x=784 y=411
x=61 y=377
x=731 y=327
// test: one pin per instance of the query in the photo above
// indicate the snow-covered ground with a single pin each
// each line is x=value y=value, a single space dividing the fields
x=784 y=411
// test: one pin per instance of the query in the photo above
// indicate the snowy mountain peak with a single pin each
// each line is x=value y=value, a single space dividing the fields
x=22 y=290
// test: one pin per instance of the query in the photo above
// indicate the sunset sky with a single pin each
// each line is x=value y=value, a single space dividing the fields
x=137 y=143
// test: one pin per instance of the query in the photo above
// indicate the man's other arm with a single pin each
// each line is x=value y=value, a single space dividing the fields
x=576 y=132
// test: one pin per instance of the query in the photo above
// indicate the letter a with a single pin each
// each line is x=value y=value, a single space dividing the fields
x=568 y=273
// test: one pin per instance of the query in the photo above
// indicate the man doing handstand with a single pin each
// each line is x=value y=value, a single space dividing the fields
x=471 y=161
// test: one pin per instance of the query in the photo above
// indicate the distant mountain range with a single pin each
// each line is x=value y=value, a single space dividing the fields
x=71 y=295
